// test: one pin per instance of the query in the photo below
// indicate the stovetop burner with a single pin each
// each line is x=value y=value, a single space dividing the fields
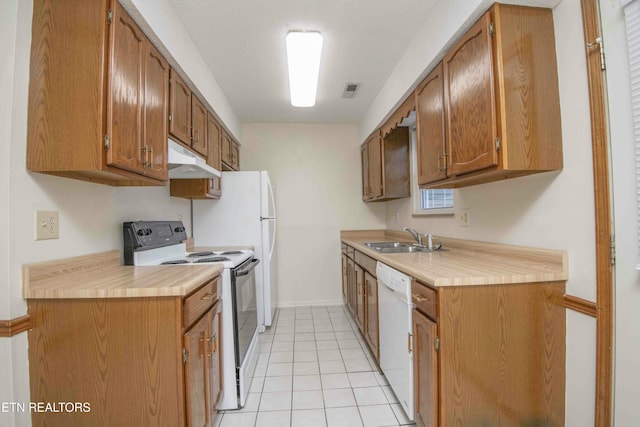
x=199 y=254
x=230 y=252
x=175 y=261
x=212 y=259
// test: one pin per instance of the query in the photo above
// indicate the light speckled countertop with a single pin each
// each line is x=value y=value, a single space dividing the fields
x=465 y=262
x=102 y=276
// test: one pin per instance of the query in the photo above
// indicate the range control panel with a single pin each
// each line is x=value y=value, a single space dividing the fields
x=142 y=235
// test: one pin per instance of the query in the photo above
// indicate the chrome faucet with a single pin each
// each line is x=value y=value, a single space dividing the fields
x=416 y=236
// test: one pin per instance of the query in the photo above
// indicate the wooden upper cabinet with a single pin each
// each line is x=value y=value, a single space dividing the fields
x=125 y=96
x=501 y=102
x=179 y=109
x=385 y=165
x=214 y=142
x=471 y=107
x=92 y=96
x=199 y=127
x=155 y=129
x=375 y=166
x=430 y=128
x=230 y=153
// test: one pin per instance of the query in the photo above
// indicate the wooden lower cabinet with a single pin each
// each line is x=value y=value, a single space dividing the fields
x=152 y=361
x=360 y=293
x=371 y=322
x=345 y=288
x=489 y=355
x=425 y=371
x=360 y=298
x=351 y=286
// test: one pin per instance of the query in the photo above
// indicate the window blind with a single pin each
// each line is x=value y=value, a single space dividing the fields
x=632 y=19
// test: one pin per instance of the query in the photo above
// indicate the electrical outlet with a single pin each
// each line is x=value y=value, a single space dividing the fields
x=464 y=217
x=47 y=225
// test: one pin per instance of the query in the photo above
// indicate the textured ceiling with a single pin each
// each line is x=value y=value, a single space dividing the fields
x=243 y=43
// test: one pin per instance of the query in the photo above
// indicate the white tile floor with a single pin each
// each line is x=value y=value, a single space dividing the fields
x=314 y=369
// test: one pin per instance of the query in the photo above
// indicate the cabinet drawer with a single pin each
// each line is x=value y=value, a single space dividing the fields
x=366 y=262
x=425 y=299
x=343 y=248
x=350 y=252
x=197 y=303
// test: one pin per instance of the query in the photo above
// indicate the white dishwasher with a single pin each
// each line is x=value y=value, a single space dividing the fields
x=395 y=328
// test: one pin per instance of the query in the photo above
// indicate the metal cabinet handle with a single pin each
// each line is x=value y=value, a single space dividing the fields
x=419 y=298
x=207 y=297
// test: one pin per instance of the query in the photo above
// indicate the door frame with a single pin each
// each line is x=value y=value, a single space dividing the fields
x=603 y=213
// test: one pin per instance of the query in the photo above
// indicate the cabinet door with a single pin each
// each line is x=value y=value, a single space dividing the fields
x=360 y=298
x=344 y=279
x=364 y=155
x=214 y=352
x=226 y=149
x=430 y=128
x=425 y=370
x=376 y=183
x=179 y=109
x=214 y=140
x=199 y=127
x=125 y=97
x=371 y=325
x=471 y=129
x=351 y=284
x=195 y=374
x=156 y=105
x=235 y=156
x=215 y=188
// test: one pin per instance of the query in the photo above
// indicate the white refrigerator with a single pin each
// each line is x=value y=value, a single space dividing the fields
x=245 y=215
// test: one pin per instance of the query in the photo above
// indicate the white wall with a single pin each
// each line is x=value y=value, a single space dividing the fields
x=8 y=28
x=160 y=21
x=627 y=287
x=316 y=173
x=91 y=215
x=553 y=210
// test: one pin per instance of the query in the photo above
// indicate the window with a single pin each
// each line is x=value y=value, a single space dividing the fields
x=427 y=202
x=632 y=18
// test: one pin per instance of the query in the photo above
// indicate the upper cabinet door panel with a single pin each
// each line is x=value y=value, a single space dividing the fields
x=376 y=184
x=126 y=95
x=431 y=128
x=156 y=101
x=179 y=109
x=470 y=99
x=214 y=139
x=198 y=126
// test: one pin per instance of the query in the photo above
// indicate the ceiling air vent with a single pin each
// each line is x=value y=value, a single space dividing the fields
x=350 y=90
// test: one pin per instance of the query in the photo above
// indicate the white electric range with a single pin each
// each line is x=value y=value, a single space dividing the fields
x=148 y=243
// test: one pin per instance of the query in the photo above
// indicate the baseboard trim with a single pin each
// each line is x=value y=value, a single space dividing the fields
x=310 y=303
x=9 y=328
x=581 y=305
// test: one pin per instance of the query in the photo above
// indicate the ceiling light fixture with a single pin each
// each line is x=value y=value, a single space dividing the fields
x=303 y=55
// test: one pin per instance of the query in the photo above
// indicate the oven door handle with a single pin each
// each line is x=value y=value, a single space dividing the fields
x=248 y=268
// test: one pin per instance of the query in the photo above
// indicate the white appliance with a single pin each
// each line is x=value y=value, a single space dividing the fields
x=149 y=243
x=395 y=329
x=244 y=215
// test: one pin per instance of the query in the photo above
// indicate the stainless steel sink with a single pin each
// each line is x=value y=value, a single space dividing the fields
x=401 y=247
x=379 y=245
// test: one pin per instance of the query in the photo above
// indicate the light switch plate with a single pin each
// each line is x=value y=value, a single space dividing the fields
x=47 y=225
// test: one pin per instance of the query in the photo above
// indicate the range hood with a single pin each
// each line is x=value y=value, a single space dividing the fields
x=184 y=164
